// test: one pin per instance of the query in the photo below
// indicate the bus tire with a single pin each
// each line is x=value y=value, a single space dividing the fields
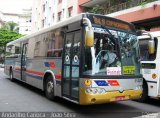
x=144 y=96
x=11 y=75
x=49 y=88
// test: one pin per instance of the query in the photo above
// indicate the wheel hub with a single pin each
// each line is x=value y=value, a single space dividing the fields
x=50 y=87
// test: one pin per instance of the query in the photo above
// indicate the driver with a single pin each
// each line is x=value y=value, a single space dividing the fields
x=110 y=56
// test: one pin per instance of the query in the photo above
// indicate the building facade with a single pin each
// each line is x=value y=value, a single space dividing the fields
x=23 y=20
x=144 y=14
x=45 y=13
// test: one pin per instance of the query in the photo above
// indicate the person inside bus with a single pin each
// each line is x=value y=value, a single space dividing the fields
x=110 y=57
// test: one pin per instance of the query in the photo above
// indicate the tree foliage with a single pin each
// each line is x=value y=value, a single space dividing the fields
x=11 y=26
x=7 y=36
x=96 y=9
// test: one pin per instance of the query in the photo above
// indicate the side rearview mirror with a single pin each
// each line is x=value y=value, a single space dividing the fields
x=151 y=42
x=151 y=46
x=89 y=42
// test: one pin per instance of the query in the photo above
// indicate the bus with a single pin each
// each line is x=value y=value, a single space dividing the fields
x=67 y=60
x=149 y=43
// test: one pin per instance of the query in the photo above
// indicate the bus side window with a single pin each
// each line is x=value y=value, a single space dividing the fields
x=54 y=53
x=54 y=44
x=13 y=50
x=36 y=49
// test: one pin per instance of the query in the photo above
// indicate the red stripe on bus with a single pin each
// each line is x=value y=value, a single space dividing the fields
x=18 y=69
x=35 y=72
x=58 y=77
x=42 y=74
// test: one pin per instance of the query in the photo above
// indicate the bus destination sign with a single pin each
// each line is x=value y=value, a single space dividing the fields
x=110 y=23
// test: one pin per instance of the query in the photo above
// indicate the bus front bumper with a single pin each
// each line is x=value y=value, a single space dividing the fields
x=86 y=99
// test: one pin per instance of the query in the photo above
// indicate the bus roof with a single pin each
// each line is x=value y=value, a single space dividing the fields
x=63 y=23
x=59 y=24
x=154 y=34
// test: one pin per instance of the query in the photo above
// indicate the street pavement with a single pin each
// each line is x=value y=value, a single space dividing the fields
x=19 y=97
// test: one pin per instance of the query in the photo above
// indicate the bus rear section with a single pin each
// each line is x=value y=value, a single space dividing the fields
x=149 y=43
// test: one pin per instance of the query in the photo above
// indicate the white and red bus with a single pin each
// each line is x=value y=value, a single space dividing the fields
x=72 y=60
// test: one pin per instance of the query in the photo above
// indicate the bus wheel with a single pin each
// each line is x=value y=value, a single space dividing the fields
x=11 y=75
x=144 y=96
x=49 y=88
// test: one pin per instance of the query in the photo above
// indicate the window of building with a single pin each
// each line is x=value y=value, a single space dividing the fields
x=70 y=10
x=44 y=8
x=63 y=13
x=45 y=20
x=59 y=16
x=59 y=1
x=43 y=23
x=50 y=8
x=53 y=17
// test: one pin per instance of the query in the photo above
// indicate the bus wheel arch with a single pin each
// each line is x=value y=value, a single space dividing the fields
x=144 y=96
x=49 y=85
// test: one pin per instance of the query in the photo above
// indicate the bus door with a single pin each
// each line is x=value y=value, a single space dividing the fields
x=23 y=62
x=71 y=61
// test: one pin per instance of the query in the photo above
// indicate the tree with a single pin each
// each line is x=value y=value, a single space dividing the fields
x=11 y=26
x=96 y=9
x=8 y=32
x=5 y=37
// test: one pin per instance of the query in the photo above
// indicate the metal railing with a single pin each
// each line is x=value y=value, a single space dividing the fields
x=126 y=5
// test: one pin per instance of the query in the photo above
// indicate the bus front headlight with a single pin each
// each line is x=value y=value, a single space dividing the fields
x=95 y=90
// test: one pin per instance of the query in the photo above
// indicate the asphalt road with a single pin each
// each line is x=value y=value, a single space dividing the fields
x=19 y=97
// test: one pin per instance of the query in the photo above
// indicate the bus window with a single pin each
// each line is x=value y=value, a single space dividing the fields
x=54 y=44
x=13 y=50
x=144 y=54
x=106 y=55
x=36 y=49
x=54 y=53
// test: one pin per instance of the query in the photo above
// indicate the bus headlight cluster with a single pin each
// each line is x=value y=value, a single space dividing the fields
x=95 y=90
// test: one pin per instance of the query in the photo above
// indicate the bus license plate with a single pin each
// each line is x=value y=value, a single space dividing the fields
x=120 y=98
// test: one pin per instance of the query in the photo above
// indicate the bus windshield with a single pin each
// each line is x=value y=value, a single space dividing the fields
x=114 y=53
